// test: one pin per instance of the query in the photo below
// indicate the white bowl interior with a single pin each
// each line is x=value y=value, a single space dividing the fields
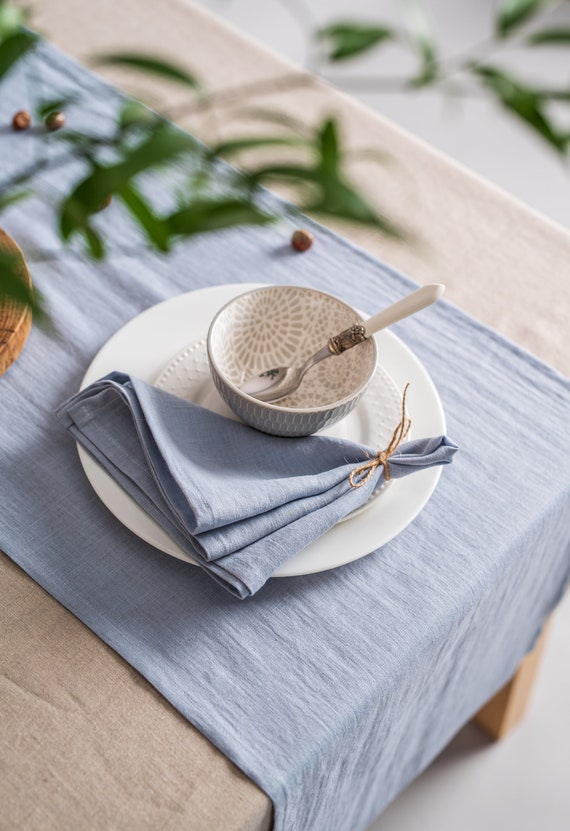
x=282 y=326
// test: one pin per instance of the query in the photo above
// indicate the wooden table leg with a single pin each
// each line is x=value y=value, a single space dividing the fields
x=502 y=712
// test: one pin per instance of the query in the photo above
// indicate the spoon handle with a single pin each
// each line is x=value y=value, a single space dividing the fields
x=403 y=308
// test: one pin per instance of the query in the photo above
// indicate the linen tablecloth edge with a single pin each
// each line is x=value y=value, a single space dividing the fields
x=145 y=669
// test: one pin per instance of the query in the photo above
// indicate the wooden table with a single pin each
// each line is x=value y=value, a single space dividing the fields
x=88 y=743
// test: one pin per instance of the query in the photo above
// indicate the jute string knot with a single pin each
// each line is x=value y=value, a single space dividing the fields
x=381 y=458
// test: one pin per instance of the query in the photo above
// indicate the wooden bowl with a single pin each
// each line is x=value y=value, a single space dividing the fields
x=15 y=320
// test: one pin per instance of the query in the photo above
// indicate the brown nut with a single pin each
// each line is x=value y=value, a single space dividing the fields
x=301 y=239
x=55 y=121
x=21 y=120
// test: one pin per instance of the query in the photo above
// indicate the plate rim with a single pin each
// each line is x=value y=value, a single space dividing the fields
x=337 y=546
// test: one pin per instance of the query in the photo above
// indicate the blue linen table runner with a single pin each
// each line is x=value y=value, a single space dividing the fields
x=238 y=501
x=334 y=690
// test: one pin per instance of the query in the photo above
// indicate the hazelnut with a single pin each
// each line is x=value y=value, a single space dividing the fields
x=301 y=239
x=21 y=120
x=55 y=121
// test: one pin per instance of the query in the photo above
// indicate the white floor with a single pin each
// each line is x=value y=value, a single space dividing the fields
x=523 y=782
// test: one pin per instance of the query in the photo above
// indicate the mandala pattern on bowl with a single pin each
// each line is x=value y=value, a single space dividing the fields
x=284 y=325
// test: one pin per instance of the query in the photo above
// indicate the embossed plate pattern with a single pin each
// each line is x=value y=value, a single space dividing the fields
x=371 y=422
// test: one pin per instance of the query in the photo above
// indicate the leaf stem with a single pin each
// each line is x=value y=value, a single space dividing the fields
x=229 y=95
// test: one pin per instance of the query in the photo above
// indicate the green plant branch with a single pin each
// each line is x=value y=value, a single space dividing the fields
x=145 y=140
x=448 y=69
x=527 y=103
x=231 y=95
x=369 y=83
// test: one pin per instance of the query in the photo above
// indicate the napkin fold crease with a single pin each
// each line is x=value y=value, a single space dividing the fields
x=237 y=501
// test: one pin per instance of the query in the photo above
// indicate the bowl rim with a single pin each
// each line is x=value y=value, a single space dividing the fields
x=275 y=407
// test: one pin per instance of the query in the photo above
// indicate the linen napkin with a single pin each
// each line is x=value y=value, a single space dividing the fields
x=238 y=501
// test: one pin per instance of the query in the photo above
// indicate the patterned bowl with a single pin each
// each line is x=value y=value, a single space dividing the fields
x=281 y=326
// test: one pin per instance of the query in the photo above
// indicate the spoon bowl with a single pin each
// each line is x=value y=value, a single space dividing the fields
x=279 y=382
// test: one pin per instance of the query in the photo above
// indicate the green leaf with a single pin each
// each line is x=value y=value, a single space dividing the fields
x=95 y=244
x=550 y=37
x=162 y=145
x=339 y=199
x=212 y=215
x=135 y=114
x=422 y=40
x=231 y=147
x=345 y=40
x=525 y=103
x=285 y=171
x=329 y=148
x=12 y=19
x=7 y=199
x=155 y=228
x=152 y=66
x=44 y=108
x=333 y=197
x=15 y=289
x=513 y=13
x=13 y=48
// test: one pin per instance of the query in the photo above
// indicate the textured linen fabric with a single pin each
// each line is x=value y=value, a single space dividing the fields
x=238 y=501
x=334 y=690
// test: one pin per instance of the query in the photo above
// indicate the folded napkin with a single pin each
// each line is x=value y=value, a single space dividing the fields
x=238 y=501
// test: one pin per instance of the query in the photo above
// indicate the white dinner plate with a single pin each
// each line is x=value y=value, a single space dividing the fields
x=148 y=346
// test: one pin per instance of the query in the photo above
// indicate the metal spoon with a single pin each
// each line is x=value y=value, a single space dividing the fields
x=276 y=383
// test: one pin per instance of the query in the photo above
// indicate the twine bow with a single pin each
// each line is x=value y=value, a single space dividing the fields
x=381 y=458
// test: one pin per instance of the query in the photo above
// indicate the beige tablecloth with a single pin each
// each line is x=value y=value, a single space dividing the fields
x=87 y=742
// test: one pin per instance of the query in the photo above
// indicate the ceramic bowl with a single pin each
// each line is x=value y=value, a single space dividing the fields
x=282 y=326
